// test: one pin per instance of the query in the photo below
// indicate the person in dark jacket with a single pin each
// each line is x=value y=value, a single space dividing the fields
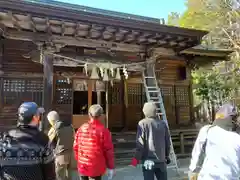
x=153 y=144
x=61 y=135
x=25 y=153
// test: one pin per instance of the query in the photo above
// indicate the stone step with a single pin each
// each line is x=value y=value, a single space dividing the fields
x=125 y=145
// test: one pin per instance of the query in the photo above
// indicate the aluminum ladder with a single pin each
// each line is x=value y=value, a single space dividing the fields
x=153 y=93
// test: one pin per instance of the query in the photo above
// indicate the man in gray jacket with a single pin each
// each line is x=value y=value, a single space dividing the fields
x=153 y=144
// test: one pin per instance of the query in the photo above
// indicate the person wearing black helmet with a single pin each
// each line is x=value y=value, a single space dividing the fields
x=25 y=152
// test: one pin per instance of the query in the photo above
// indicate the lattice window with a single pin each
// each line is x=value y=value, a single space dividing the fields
x=14 y=85
x=167 y=93
x=63 y=92
x=17 y=90
x=135 y=94
x=182 y=95
x=114 y=94
x=34 y=86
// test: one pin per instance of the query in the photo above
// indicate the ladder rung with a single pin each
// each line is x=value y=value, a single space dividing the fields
x=154 y=91
x=154 y=98
x=152 y=87
x=158 y=102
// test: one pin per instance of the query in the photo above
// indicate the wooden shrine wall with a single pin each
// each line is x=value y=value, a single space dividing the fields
x=176 y=95
x=17 y=85
x=13 y=57
x=176 y=91
x=125 y=108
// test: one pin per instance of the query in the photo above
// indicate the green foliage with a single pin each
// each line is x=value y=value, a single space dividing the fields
x=204 y=14
x=223 y=21
x=212 y=86
x=173 y=19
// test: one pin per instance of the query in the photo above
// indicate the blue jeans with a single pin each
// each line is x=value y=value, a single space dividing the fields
x=159 y=170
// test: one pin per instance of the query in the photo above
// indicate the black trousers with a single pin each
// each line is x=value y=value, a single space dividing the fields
x=90 y=178
x=159 y=170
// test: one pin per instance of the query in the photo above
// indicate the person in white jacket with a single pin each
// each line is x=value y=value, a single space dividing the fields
x=220 y=146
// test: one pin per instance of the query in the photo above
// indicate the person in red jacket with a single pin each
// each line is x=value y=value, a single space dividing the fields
x=93 y=147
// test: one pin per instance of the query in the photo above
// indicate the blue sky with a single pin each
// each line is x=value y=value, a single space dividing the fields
x=149 y=8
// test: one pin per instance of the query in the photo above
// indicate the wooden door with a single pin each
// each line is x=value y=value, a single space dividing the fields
x=135 y=100
x=169 y=103
x=115 y=106
x=183 y=104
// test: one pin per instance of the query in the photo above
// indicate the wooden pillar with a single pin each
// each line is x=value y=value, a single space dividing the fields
x=48 y=88
x=90 y=88
x=190 y=90
x=182 y=146
x=123 y=108
x=99 y=97
x=107 y=105
x=1 y=73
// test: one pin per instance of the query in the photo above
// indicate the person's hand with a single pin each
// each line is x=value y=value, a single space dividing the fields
x=168 y=160
x=111 y=173
x=193 y=176
x=134 y=162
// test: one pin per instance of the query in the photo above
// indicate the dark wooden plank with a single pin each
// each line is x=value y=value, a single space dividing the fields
x=175 y=105
x=122 y=99
x=48 y=87
x=1 y=73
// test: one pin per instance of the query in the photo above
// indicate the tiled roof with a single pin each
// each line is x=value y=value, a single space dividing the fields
x=97 y=11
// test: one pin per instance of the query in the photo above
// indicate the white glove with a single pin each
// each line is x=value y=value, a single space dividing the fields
x=148 y=164
x=111 y=173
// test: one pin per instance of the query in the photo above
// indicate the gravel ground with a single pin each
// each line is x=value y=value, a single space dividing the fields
x=131 y=173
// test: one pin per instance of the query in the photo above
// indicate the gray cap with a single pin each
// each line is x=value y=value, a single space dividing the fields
x=226 y=111
x=53 y=116
x=95 y=110
x=149 y=109
x=27 y=110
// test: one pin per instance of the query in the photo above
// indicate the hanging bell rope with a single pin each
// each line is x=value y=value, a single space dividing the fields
x=94 y=74
x=118 y=76
x=105 y=77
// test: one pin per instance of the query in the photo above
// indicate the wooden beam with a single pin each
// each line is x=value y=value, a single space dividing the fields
x=1 y=73
x=1 y=55
x=32 y=23
x=71 y=41
x=48 y=87
x=48 y=27
x=14 y=20
x=63 y=28
x=92 y=31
